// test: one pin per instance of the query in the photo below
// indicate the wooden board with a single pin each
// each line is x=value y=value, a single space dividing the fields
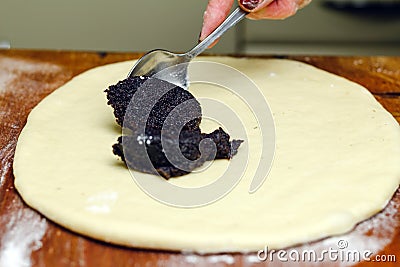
x=26 y=77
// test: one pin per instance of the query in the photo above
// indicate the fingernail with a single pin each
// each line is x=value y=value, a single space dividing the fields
x=250 y=4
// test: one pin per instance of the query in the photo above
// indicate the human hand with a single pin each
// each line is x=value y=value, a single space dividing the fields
x=218 y=10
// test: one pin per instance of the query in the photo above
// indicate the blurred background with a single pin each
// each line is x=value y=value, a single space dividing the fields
x=329 y=27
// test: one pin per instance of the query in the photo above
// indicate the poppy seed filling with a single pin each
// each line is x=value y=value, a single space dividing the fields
x=187 y=138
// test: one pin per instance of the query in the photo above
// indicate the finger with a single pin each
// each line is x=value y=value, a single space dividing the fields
x=304 y=3
x=279 y=9
x=254 y=5
x=215 y=14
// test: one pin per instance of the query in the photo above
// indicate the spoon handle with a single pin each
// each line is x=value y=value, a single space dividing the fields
x=237 y=15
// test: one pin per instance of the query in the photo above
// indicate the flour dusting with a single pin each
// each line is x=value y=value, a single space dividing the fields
x=24 y=231
x=101 y=202
x=13 y=69
x=5 y=162
x=13 y=65
x=201 y=260
x=5 y=78
x=227 y=259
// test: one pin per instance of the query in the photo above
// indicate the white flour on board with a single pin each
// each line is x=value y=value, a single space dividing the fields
x=24 y=228
x=12 y=68
x=5 y=162
x=5 y=78
x=24 y=231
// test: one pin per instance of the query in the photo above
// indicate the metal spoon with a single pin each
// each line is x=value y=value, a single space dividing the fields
x=154 y=62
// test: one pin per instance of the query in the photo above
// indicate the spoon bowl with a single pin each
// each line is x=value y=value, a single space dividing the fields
x=175 y=65
x=163 y=65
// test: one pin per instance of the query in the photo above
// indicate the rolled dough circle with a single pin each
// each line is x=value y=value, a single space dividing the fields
x=336 y=164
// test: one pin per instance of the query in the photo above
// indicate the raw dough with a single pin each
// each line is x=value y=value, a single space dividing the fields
x=336 y=164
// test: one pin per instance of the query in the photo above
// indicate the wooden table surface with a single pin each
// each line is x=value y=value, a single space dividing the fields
x=27 y=76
